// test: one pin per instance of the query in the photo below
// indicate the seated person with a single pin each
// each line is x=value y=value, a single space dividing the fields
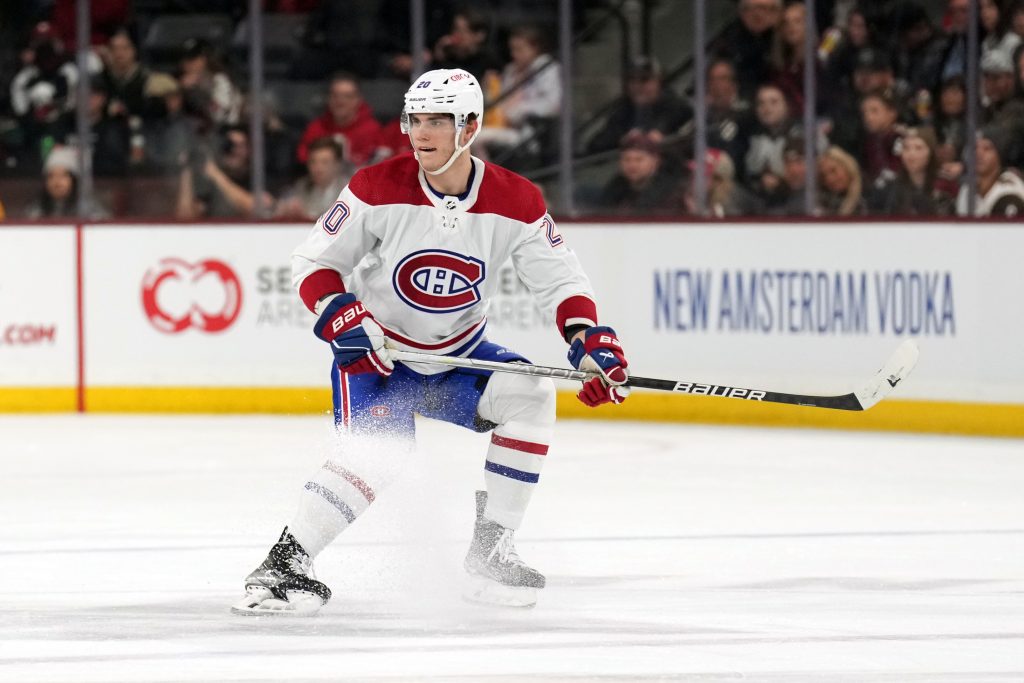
x=643 y=185
x=216 y=185
x=59 y=198
x=327 y=173
x=531 y=88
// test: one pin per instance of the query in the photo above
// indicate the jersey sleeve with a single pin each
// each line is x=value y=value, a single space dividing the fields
x=334 y=247
x=553 y=274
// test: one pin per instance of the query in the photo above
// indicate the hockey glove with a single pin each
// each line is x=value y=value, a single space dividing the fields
x=600 y=351
x=355 y=337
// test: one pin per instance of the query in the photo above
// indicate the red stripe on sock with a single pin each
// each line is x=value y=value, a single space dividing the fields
x=351 y=478
x=517 y=445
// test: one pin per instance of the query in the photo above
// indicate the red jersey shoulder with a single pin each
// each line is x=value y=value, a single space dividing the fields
x=508 y=194
x=393 y=181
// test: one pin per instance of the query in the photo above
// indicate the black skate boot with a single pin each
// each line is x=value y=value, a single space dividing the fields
x=284 y=583
x=497 y=575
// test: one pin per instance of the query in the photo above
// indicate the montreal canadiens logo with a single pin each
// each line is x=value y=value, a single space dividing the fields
x=438 y=281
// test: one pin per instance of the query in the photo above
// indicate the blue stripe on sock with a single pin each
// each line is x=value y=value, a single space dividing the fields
x=511 y=473
x=332 y=498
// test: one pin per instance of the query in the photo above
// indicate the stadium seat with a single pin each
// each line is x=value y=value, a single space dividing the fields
x=386 y=96
x=297 y=102
x=166 y=35
x=282 y=38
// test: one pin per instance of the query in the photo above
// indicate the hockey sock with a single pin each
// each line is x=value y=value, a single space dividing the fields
x=331 y=500
x=524 y=409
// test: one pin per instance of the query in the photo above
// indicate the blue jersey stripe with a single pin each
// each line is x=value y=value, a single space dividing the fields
x=332 y=498
x=512 y=473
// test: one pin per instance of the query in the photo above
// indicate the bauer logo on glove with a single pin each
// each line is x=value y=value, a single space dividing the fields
x=600 y=352
x=355 y=337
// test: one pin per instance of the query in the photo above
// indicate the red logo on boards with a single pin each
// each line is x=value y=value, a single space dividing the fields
x=177 y=295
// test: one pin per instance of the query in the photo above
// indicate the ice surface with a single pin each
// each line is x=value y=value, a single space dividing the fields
x=672 y=553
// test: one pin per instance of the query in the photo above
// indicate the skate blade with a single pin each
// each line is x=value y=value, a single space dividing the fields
x=259 y=601
x=483 y=591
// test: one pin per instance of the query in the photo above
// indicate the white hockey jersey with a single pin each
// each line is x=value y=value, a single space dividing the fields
x=424 y=264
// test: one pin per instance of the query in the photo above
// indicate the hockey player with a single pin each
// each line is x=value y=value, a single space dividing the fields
x=403 y=260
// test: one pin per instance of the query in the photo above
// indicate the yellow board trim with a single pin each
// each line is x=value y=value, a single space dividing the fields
x=938 y=417
x=38 y=399
x=207 y=400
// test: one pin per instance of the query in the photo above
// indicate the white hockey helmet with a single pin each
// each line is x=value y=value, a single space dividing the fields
x=446 y=91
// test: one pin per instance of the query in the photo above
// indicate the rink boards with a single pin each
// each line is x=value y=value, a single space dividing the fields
x=202 y=318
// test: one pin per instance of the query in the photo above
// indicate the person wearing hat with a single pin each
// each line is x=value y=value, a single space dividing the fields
x=59 y=196
x=1001 y=106
x=645 y=106
x=643 y=185
x=1000 y=191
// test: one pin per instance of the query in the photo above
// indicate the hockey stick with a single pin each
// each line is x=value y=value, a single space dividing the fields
x=878 y=387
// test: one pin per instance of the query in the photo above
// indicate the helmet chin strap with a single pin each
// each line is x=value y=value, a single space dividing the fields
x=455 y=155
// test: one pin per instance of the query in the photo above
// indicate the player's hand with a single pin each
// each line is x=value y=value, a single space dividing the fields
x=355 y=337
x=600 y=351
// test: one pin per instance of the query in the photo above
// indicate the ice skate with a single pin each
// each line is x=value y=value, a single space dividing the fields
x=496 y=574
x=284 y=584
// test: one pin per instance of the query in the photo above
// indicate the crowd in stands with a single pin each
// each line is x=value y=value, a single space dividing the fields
x=890 y=113
x=890 y=108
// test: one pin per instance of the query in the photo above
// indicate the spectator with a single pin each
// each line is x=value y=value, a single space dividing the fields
x=791 y=201
x=881 y=136
x=998 y=86
x=872 y=73
x=841 y=187
x=730 y=120
x=646 y=106
x=327 y=173
x=465 y=46
x=348 y=120
x=747 y=42
x=787 y=56
x=209 y=95
x=725 y=197
x=109 y=136
x=950 y=127
x=954 y=61
x=917 y=189
x=43 y=91
x=533 y=85
x=763 y=165
x=59 y=198
x=1000 y=191
x=126 y=80
x=999 y=36
x=214 y=185
x=918 y=56
x=841 y=60
x=643 y=185
x=169 y=137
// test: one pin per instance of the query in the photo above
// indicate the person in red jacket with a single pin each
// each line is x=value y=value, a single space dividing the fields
x=349 y=120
